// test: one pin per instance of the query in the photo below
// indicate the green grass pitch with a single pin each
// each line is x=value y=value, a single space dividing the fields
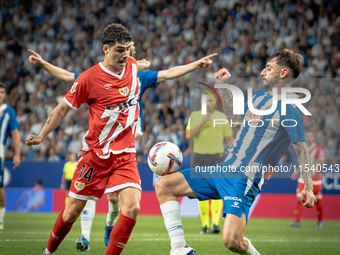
x=28 y=234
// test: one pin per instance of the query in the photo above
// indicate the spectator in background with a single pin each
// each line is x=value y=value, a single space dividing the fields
x=53 y=157
x=75 y=144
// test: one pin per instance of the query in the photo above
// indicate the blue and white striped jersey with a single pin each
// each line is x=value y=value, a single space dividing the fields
x=8 y=123
x=263 y=139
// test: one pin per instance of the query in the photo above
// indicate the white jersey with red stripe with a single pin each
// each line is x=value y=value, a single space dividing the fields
x=315 y=154
x=114 y=109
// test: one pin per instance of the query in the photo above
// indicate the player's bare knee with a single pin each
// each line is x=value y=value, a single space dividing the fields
x=112 y=198
x=131 y=211
x=162 y=186
x=71 y=214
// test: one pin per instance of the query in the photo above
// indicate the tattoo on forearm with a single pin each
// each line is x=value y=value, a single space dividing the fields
x=228 y=104
x=61 y=116
x=303 y=160
x=48 y=121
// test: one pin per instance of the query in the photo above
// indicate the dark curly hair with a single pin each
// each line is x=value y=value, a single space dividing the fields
x=290 y=59
x=114 y=33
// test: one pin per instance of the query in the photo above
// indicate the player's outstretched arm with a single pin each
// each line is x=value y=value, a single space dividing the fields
x=142 y=65
x=16 y=144
x=221 y=77
x=53 y=121
x=304 y=162
x=56 y=72
x=179 y=71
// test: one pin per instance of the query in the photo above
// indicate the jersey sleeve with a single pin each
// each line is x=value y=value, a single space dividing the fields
x=78 y=94
x=76 y=75
x=188 y=126
x=13 y=123
x=293 y=124
x=148 y=79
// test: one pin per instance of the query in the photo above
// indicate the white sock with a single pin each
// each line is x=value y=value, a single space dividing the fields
x=251 y=249
x=2 y=213
x=112 y=214
x=86 y=218
x=172 y=220
x=47 y=252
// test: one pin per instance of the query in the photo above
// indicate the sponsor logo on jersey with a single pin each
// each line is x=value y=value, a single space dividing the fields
x=73 y=89
x=235 y=204
x=79 y=185
x=251 y=117
x=108 y=86
x=233 y=198
x=124 y=91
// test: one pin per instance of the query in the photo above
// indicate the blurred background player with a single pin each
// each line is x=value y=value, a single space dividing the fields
x=147 y=79
x=317 y=159
x=8 y=126
x=68 y=171
x=208 y=149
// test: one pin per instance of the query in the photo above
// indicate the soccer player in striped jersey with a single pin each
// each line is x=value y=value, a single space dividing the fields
x=147 y=79
x=8 y=126
x=254 y=146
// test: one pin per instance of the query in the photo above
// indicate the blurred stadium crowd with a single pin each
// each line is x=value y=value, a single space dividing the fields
x=167 y=33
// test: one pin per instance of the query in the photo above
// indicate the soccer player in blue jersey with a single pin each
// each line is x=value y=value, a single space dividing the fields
x=147 y=79
x=8 y=126
x=253 y=146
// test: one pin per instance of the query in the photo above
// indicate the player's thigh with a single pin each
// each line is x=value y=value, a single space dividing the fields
x=90 y=177
x=129 y=200
x=174 y=184
x=233 y=228
x=317 y=191
x=124 y=174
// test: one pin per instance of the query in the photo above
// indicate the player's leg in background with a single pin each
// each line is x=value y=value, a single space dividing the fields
x=64 y=223
x=2 y=205
x=86 y=219
x=319 y=209
x=168 y=189
x=233 y=237
x=2 y=194
x=216 y=212
x=298 y=207
x=129 y=199
x=204 y=207
x=111 y=215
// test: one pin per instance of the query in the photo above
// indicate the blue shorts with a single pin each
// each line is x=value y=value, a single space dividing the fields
x=2 y=168
x=237 y=198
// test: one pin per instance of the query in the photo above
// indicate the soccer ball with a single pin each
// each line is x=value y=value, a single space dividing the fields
x=165 y=158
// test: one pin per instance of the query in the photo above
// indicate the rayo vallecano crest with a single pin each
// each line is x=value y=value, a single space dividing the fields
x=124 y=91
